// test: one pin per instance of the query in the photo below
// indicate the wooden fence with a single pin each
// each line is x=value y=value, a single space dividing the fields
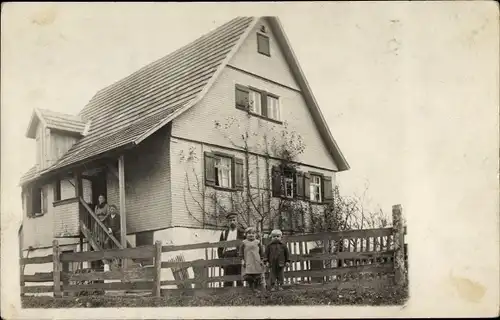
x=64 y=282
x=353 y=258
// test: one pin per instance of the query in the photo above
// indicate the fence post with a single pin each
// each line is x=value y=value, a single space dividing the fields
x=56 y=268
x=157 y=270
x=399 y=255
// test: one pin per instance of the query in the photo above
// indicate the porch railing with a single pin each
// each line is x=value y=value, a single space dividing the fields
x=100 y=232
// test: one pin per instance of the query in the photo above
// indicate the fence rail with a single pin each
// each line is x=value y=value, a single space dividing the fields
x=364 y=257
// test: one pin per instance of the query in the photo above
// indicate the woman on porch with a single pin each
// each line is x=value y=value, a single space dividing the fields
x=102 y=212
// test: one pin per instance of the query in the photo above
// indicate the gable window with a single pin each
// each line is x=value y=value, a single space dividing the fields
x=315 y=188
x=258 y=102
x=263 y=44
x=223 y=171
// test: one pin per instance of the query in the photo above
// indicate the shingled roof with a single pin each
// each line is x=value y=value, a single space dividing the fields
x=126 y=109
x=126 y=112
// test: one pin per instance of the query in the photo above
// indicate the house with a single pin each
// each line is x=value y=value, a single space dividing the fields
x=156 y=142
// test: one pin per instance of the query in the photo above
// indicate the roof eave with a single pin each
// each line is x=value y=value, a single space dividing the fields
x=36 y=117
x=47 y=173
x=333 y=148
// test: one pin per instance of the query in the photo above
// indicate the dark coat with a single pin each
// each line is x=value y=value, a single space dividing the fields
x=240 y=235
x=113 y=223
x=277 y=253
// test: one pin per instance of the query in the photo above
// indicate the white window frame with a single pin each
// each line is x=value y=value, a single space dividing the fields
x=273 y=109
x=221 y=168
x=255 y=102
x=315 y=185
x=288 y=180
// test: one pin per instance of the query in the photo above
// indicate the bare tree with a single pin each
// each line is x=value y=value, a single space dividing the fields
x=263 y=145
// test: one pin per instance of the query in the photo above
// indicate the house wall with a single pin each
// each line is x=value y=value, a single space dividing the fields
x=147 y=184
x=59 y=144
x=191 y=205
x=219 y=106
x=39 y=232
x=273 y=67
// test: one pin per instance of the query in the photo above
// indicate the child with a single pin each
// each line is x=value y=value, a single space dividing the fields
x=251 y=255
x=277 y=257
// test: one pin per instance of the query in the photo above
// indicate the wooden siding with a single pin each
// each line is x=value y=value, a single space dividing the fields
x=188 y=182
x=59 y=145
x=273 y=67
x=147 y=184
x=219 y=105
x=39 y=232
x=66 y=220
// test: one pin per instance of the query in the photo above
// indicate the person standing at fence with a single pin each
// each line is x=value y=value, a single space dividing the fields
x=113 y=225
x=231 y=233
x=276 y=257
x=252 y=256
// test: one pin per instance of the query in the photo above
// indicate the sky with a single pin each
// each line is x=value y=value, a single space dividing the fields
x=408 y=89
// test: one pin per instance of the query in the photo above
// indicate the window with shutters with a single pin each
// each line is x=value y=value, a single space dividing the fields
x=315 y=191
x=257 y=102
x=223 y=171
x=309 y=186
x=263 y=44
x=36 y=200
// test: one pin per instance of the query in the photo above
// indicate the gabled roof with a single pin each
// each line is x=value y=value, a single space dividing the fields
x=55 y=120
x=29 y=175
x=130 y=110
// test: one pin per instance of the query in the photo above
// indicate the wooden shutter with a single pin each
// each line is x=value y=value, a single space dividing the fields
x=209 y=169
x=263 y=44
x=276 y=181
x=57 y=190
x=29 y=202
x=307 y=181
x=241 y=97
x=327 y=189
x=36 y=197
x=238 y=173
x=263 y=106
x=299 y=185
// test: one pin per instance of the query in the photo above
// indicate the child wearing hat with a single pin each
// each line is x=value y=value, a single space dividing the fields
x=277 y=257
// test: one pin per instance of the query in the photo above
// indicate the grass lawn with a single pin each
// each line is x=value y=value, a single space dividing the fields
x=290 y=296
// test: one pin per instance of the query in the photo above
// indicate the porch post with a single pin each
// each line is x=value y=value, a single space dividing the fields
x=123 y=211
x=78 y=184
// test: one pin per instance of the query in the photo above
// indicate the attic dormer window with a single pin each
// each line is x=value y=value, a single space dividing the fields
x=263 y=44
